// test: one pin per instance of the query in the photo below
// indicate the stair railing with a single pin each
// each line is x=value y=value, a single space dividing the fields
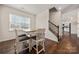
x=54 y=29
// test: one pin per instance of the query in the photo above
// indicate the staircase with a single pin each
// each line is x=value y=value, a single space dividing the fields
x=54 y=29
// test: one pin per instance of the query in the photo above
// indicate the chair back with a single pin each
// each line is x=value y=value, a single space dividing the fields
x=40 y=34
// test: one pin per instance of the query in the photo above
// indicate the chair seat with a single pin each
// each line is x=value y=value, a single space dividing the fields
x=23 y=37
x=33 y=37
x=27 y=38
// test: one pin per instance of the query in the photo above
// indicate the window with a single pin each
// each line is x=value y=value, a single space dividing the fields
x=19 y=22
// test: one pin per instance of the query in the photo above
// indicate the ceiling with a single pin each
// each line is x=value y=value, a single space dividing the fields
x=38 y=8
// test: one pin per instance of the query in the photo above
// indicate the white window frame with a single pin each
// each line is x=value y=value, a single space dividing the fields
x=10 y=19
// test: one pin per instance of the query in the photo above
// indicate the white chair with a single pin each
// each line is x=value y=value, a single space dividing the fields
x=40 y=38
x=21 y=40
x=32 y=35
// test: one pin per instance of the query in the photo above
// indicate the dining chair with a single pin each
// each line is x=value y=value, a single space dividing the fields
x=21 y=42
x=32 y=35
x=40 y=38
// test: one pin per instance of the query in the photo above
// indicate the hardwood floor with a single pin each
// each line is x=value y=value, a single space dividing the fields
x=7 y=47
x=67 y=45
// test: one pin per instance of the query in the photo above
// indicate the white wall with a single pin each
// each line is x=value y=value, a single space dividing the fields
x=0 y=24
x=42 y=22
x=78 y=23
x=4 y=22
x=54 y=17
